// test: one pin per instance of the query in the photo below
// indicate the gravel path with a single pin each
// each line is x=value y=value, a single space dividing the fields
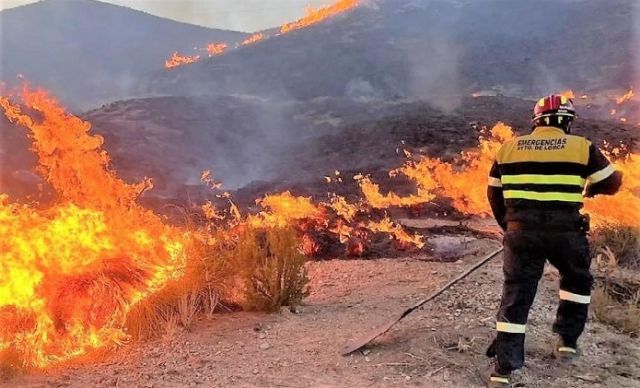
x=441 y=346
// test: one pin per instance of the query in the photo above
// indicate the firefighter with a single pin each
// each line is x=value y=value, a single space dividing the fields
x=536 y=189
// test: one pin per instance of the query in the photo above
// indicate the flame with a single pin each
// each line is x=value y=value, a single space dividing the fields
x=285 y=209
x=215 y=49
x=568 y=93
x=212 y=49
x=255 y=38
x=111 y=254
x=424 y=182
x=625 y=97
x=624 y=207
x=73 y=271
x=178 y=60
x=314 y=16
x=458 y=181
x=396 y=232
x=463 y=181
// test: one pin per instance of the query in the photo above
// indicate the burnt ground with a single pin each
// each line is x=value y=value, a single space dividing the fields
x=254 y=146
x=440 y=346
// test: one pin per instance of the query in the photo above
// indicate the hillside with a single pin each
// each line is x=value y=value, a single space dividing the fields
x=270 y=145
x=88 y=51
x=410 y=49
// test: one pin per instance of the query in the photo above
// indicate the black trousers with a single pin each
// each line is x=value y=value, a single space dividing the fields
x=526 y=252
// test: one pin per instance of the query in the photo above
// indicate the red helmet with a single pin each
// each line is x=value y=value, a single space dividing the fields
x=554 y=110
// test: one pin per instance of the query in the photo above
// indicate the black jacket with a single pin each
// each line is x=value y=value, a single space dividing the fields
x=542 y=178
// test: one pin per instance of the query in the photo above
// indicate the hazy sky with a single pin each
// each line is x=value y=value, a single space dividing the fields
x=240 y=15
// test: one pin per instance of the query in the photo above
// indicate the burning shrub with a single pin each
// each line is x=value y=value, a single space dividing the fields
x=209 y=277
x=271 y=268
x=259 y=268
x=72 y=272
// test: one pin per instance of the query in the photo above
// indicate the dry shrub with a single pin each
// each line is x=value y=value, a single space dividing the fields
x=271 y=268
x=259 y=269
x=171 y=325
x=208 y=277
x=621 y=241
x=616 y=298
x=624 y=316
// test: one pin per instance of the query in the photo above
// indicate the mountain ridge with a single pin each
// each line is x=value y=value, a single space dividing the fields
x=428 y=50
x=112 y=47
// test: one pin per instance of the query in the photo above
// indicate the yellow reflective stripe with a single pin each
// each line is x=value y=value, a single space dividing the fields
x=496 y=379
x=564 y=349
x=571 y=297
x=507 y=327
x=537 y=196
x=544 y=179
x=602 y=174
x=495 y=182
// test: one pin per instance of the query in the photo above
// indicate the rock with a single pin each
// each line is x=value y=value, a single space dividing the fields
x=589 y=377
x=173 y=372
x=264 y=346
x=285 y=310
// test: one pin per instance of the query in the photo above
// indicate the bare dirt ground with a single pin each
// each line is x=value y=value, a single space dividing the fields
x=440 y=346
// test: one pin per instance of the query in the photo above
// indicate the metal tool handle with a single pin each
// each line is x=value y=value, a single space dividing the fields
x=453 y=281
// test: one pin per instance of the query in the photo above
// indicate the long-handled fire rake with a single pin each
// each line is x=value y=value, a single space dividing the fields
x=370 y=336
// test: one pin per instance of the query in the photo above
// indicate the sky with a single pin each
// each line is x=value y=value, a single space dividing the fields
x=238 y=15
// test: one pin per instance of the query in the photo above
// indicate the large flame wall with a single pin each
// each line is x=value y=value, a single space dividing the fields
x=72 y=272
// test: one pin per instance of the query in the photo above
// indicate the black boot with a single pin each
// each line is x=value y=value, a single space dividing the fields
x=566 y=351
x=497 y=380
x=491 y=350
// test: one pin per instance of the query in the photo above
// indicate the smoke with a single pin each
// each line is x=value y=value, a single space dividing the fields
x=246 y=15
x=360 y=89
x=434 y=73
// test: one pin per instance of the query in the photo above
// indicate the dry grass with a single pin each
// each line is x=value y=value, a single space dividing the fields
x=171 y=325
x=188 y=307
x=616 y=298
x=621 y=241
x=624 y=316
x=258 y=269
x=272 y=269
